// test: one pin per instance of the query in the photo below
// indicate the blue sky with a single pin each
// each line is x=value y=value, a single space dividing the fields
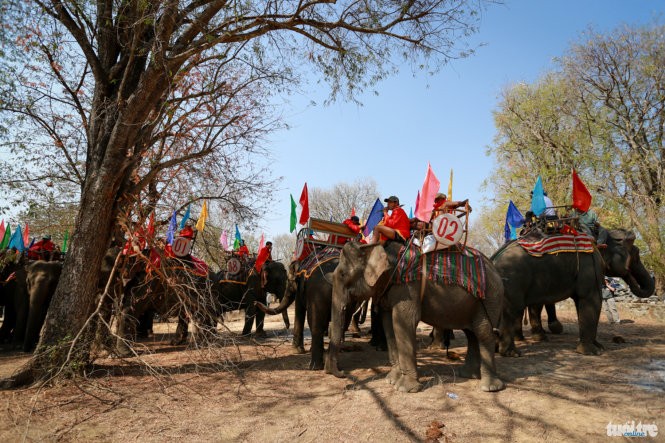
x=445 y=119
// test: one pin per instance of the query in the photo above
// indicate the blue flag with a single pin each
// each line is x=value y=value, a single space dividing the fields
x=183 y=222
x=171 y=231
x=374 y=218
x=538 y=198
x=238 y=239
x=17 y=240
x=514 y=219
x=411 y=213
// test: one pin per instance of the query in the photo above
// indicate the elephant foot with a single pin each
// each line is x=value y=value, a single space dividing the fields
x=539 y=336
x=316 y=365
x=331 y=368
x=509 y=351
x=589 y=348
x=394 y=375
x=299 y=349
x=492 y=384
x=178 y=341
x=519 y=337
x=382 y=347
x=466 y=371
x=408 y=383
x=555 y=327
x=260 y=334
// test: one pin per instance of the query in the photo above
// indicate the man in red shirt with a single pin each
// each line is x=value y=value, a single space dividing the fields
x=442 y=205
x=353 y=223
x=42 y=250
x=265 y=254
x=396 y=225
x=243 y=250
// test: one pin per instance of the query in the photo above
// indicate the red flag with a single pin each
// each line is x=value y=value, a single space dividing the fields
x=581 y=195
x=353 y=211
x=429 y=191
x=417 y=201
x=151 y=226
x=26 y=234
x=304 y=202
x=262 y=242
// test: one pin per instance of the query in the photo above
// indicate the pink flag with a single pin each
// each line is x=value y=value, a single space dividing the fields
x=353 y=211
x=417 y=201
x=224 y=240
x=262 y=242
x=26 y=234
x=427 y=194
x=2 y=229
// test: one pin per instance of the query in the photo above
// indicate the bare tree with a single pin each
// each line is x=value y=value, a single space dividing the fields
x=337 y=203
x=131 y=61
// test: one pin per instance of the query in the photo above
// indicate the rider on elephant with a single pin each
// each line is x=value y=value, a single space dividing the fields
x=588 y=223
x=353 y=223
x=42 y=250
x=395 y=226
x=243 y=251
x=265 y=255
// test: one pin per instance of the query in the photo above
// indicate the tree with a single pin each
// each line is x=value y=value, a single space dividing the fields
x=338 y=202
x=603 y=113
x=136 y=59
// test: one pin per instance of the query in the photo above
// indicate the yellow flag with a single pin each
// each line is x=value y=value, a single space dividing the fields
x=450 y=186
x=201 y=224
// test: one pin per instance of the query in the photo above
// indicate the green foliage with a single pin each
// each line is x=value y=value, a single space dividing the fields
x=602 y=112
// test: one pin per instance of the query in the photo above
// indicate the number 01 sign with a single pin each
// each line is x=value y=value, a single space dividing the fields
x=447 y=229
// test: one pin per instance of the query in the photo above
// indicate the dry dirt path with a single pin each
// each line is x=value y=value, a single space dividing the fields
x=241 y=391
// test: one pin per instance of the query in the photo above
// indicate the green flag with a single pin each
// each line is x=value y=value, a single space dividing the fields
x=5 y=239
x=293 y=214
x=64 y=242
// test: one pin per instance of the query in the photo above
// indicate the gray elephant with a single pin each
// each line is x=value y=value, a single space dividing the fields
x=547 y=279
x=14 y=298
x=369 y=271
x=233 y=295
x=310 y=287
x=42 y=279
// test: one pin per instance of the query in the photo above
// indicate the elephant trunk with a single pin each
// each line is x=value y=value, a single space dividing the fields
x=336 y=331
x=640 y=281
x=283 y=305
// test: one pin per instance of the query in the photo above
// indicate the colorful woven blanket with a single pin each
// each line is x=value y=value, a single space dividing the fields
x=558 y=243
x=316 y=259
x=464 y=268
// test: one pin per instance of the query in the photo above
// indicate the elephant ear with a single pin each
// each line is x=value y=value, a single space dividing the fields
x=377 y=264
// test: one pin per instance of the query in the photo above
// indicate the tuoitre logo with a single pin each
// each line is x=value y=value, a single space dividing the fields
x=629 y=429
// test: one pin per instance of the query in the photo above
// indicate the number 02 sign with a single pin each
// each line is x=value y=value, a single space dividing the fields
x=447 y=229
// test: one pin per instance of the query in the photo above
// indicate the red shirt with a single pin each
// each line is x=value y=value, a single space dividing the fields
x=243 y=251
x=264 y=255
x=399 y=221
x=352 y=226
x=36 y=250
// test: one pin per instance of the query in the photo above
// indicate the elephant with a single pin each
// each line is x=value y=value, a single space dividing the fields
x=368 y=271
x=14 y=297
x=42 y=279
x=233 y=295
x=311 y=290
x=531 y=280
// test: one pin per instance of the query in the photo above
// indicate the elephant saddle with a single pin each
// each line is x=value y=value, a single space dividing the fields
x=554 y=244
x=464 y=267
x=315 y=259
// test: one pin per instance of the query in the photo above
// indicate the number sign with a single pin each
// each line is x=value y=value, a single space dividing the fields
x=182 y=246
x=233 y=266
x=447 y=229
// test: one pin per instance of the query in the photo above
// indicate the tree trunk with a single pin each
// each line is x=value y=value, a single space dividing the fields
x=74 y=299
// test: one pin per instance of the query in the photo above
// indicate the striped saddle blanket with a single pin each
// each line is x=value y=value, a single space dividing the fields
x=316 y=259
x=555 y=244
x=462 y=267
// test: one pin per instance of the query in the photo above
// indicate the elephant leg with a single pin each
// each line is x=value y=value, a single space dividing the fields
x=588 y=314
x=180 y=337
x=471 y=367
x=486 y=343
x=299 y=326
x=318 y=323
x=378 y=331
x=537 y=330
x=386 y=319
x=511 y=317
x=553 y=323
x=125 y=328
x=404 y=325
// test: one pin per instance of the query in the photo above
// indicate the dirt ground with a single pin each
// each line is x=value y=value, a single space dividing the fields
x=260 y=391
